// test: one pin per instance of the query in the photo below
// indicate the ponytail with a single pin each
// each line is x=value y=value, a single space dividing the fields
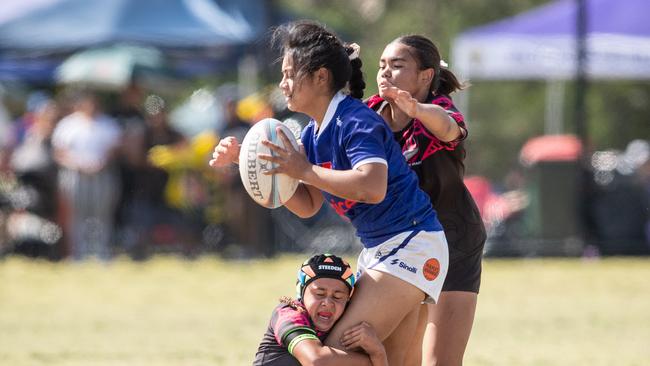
x=445 y=82
x=356 y=84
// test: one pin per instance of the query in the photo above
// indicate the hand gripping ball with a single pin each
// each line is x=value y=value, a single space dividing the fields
x=270 y=191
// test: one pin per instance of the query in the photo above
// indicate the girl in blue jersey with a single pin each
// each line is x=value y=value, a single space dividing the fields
x=353 y=162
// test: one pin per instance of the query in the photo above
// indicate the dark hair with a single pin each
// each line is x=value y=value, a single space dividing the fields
x=427 y=56
x=311 y=46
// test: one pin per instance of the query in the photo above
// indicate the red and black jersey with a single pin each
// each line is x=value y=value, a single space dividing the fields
x=440 y=169
x=289 y=325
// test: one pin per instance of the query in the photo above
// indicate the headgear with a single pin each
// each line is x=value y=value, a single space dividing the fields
x=324 y=266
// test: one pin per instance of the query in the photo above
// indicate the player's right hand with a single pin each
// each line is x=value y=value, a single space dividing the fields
x=402 y=98
x=226 y=152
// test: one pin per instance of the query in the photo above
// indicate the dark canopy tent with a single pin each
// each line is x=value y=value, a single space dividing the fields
x=198 y=33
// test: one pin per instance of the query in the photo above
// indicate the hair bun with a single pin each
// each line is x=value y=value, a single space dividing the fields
x=353 y=50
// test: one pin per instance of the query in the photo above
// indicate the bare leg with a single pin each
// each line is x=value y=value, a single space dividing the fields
x=414 y=354
x=399 y=348
x=383 y=301
x=448 y=328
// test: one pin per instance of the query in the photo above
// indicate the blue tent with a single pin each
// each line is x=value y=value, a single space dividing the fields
x=36 y=35
x=72 y=24
x=13 y=9
x=32 y=70
x=541 y=43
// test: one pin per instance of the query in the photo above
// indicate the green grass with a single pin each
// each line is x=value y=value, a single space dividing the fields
x=212 y=312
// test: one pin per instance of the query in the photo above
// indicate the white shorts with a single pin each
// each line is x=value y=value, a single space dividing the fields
x=420 y=258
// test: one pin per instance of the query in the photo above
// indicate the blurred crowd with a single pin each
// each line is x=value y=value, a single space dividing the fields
x=86 y=174
x=560 y=201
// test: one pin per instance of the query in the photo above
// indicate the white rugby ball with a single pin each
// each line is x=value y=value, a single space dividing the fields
x=270 y=191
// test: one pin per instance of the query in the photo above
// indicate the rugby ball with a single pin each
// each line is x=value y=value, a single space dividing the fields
x=270 y=191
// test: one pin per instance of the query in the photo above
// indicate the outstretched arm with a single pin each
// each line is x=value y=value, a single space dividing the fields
x=225 y=153
x=434 y=117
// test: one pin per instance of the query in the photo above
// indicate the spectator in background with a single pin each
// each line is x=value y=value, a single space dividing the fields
x=147 y=214
x=6 y=142
x=34 y=101
x=150 y=179
x=129 y=114
x=129 y=109
x=13 y=133
x=239 y=209
x=35 y=172
x=32 y=159
x=643 y=174
x=5 y=137
x=86 y=143
x=234 y=125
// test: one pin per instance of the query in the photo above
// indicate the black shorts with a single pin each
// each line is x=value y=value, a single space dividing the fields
x=465 y=254
x=464 y=274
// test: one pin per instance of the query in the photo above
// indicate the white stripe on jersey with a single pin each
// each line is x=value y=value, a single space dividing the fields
x=369 y=161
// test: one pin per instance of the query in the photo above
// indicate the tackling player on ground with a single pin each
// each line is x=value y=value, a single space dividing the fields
x=298 y=327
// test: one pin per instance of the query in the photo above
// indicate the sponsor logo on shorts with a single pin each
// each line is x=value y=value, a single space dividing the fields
x=329 y=267
x=404 y=265
x=431 y=269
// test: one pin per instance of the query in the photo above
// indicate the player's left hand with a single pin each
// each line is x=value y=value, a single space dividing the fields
x=287 y=160
x=363 y=336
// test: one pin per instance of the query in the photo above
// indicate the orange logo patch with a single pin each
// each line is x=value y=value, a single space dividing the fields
x=431 y=269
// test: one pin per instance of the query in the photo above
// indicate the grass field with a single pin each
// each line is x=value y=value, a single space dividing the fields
x=211 y=312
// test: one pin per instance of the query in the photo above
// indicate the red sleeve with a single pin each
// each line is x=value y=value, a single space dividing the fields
x=374 y=101
x=447 y=104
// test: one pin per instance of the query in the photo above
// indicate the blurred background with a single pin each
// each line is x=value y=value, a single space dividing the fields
x=558 y=112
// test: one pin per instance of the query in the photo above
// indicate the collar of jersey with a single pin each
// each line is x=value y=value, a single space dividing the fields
x=331 y=109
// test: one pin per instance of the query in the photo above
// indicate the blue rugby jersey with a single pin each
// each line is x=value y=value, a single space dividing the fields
x=352 y=135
